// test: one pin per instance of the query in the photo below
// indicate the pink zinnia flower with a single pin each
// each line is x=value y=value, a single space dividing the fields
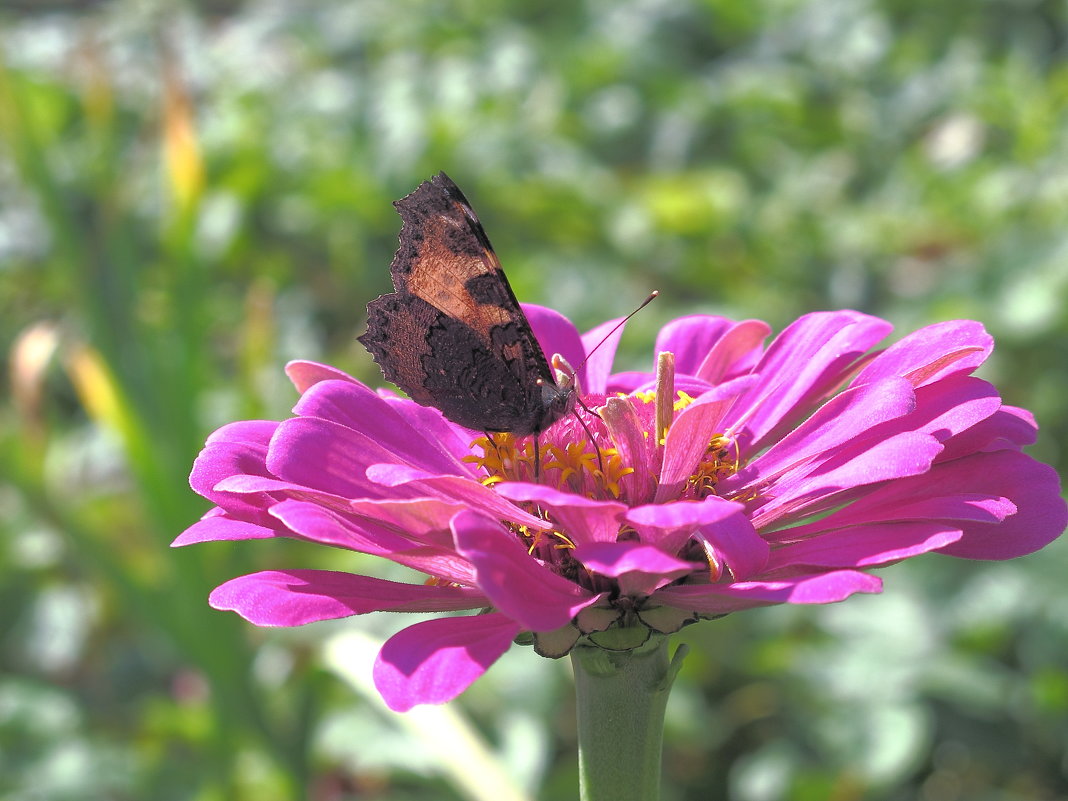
x=739 y=476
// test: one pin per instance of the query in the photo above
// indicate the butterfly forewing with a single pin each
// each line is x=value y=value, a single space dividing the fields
x=452 y=334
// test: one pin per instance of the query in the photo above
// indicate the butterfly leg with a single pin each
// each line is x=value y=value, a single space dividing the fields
x=593 y=442
x=493 y=441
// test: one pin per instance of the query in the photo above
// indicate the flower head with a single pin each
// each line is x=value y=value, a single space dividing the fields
x=731 y=476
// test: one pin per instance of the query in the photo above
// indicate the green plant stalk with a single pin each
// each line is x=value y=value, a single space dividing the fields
x=621 y=699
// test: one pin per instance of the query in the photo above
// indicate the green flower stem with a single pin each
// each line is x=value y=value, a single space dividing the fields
x=622 y=696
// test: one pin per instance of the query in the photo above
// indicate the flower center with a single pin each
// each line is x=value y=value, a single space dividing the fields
x=721 y=460
x=566 y=458
x=615 y=453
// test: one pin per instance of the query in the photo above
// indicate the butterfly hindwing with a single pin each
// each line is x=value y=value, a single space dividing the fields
x=452 y=334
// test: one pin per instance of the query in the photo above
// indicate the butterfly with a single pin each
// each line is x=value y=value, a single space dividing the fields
x=452 y=334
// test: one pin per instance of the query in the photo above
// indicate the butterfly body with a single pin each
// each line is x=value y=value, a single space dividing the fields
x=452 y=334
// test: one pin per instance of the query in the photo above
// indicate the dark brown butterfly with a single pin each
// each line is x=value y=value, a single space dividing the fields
x=451 y=334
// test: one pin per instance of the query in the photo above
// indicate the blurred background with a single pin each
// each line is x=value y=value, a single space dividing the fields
x=193 y=193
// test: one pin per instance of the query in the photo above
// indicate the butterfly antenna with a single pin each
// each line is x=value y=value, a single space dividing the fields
x=652 y=296
x=600 y=459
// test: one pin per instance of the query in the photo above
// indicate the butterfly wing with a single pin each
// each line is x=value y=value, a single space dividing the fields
x=452 y=334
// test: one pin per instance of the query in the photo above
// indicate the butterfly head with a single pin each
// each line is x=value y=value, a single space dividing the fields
x=557 y=399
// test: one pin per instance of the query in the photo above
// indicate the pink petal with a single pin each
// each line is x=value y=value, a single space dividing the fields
x=844 y=418
x=806 y=491
x=248 y=432
x=449 y=437
x=735 y=353
x=943 y=409
x=912 y=499
x=718 y=599
x=804 y=364
x=860 y=416
x=516 y=583
x=297 y=597
x=434 y=661
x=627 y=382
x=275 y=489
x=305 y=374
x=952 y=405
x=640 y=569
x=690 y=339
x=557 y=334
x=627 y=432
x=315 y=523
x=326 y=456
x=688 y=437
x=931 y=353
x=424 y=519
x=582 y=519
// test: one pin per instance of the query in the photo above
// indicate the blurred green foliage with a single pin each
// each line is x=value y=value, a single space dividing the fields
x=193 y=193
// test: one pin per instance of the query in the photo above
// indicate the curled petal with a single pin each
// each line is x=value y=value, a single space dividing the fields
x=584 y=519
x=1033 y=487
x=669 y=525
x=734 y=543
x=452 y=488
x=639 y=569
x=690 y=339
x=931 y=353
x=1008 y=428
x=735 y=353
x=216 y=525
x=865 y=545
x=306 y=374
x=720 y=599
x=434 y=661
x=520 y=587
x=627 y=432
x=297 y=597
x=233 y=450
